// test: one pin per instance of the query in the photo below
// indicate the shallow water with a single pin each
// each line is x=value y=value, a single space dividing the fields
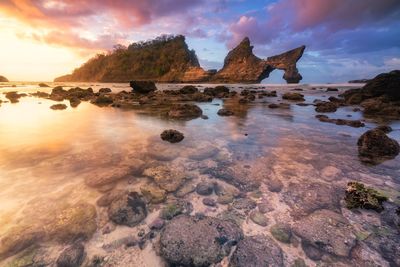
x=45 y=155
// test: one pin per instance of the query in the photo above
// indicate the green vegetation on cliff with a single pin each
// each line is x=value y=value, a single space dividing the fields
x=165 y=58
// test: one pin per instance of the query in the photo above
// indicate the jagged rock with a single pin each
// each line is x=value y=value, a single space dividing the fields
x=184 y=111
x=374 y=145
x=143 y=87
x=359 y=196
x=3 y=79
x=128 y=209
x=328 y=231
x=72 y=256
x=255 y=251
x=58 y=107
x=172 y=136
x=197 y=241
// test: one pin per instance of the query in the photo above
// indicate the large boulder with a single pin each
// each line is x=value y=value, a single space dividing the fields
x=384 y=84
x=255 y=251
x=374 y=145
x=327 y=231
x=128 y=209
x=197 y=241
x=143 y=87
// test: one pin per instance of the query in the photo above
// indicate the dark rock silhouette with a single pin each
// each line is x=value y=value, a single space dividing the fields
x=3 y=79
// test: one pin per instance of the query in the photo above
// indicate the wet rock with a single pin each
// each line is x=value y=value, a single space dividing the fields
x=176 y=208
x=102 y=101
x=258 y=218
x=311 y=251
x=385 y=128
x=384 y=84
x=101 y=177
x=328 y=231
x=143 y=87
x=106 y=199
x=30 y=257
x=274 y=185
x=293 y=96
x=165 y=177
x=185 y=189
x=204 y=188
x=332 y=89
x=184 y=111
x=244 y=204
x=255 y=251
x=203 y=151
x=225 y=112
x=105 y=90
x=265 y=207
x=58 y=107
x=193 y=241
x=153 y=194
x=127 y=241
x=74 y=102
x=281 y=232
x=375 y=145
x=188 y=89
x=359 y=196
x=233 y=216
x=273 y=105
x=209 y=202
x=351 y=123
x=72 y=256
x=326 y=107
x=73 y=223
x=128 y=209
x=157 y=224
x=217 y=91
x=172 y=136
x=306 y=197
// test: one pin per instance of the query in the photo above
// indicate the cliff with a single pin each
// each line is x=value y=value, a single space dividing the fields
x=3 y=79
x=168 y=59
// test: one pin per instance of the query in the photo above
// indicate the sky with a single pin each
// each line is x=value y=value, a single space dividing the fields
x=345 y=39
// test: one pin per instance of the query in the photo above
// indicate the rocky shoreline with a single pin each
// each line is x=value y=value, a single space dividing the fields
x=198 y=206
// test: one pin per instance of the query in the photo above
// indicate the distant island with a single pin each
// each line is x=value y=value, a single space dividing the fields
x=168 y=59
x=3 y=79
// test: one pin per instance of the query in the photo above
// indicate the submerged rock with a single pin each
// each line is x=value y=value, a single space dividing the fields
x=225 y=112
x=102 y=101
x=153 y=194
x=72 y=256
x=58 y=107
x=176 y=208
x=204 y=188
x=172 y=136
x=258 y=218
x=257 y=251
x=184 y=111
x=143 y=87
x=165 y=177
x=281 y=232
x=197 y=241
x=105 y=90
x=128 y=209
x=351 y=123
x=217 y=91
x=293 y=96
x=359 y=196
x=327 y=231
x=374 y=145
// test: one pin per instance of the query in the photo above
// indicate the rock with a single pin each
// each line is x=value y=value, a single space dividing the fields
x=102 y=101
x=105 y=90
x=72 y=256
x=204 y=188
x=143 y=87
x=157 y=224
x=326 y=107
x=58 y=107
x=258 y=218
x=244 y=204
x=299 y=263
x=351 y=123
x=176 y=208
x=384 y=84
x=273 y=105
x=209 y=202
x=128 y=209
x=217 y=91
x=242 y=66
x=188 y=89
x=185 y=189
x=311 y=251
x=385 y=128
x=43 y=85
x=293 y=96
x=184 y=111
x=225 y=112
x=3 y=79
x=281 y=232
x=375 y=145
x=101 y=177
x=74 y=102
x=172 y=136
x=193 y=241
x=329 y=89
x=328 y=231
x=359 y=196
x=73 y=223
x=153 y=194
x=167 y=178
x=257 y=251
x=274 y=185
x=106 y=199
x=14 y=96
